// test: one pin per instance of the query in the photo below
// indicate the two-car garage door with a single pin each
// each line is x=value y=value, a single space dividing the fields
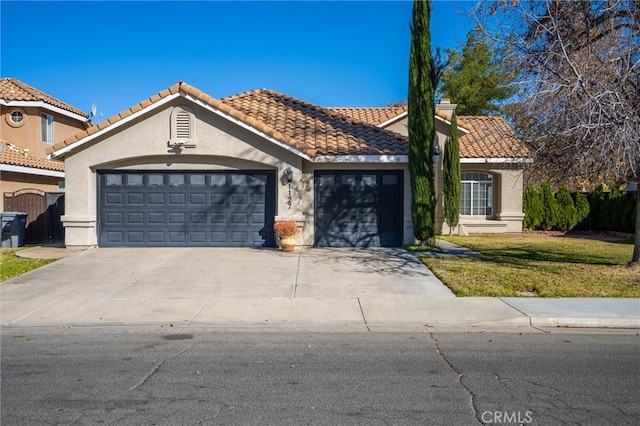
x=193 y=208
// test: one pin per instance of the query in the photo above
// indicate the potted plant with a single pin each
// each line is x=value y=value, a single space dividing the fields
x=286 y=231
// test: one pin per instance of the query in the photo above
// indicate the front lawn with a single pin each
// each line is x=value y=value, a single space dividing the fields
x=12 y=265
x=545 y=266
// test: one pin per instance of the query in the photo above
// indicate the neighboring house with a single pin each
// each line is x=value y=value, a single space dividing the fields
x=31 y=122
x=185 y=169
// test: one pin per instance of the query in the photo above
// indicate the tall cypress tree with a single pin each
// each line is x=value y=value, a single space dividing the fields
x=451 y=176
x=421 y=124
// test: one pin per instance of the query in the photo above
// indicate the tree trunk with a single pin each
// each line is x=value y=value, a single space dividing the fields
x=635 y=259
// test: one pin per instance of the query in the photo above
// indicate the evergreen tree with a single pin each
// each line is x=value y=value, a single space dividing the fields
x=532 y=206
x=582 y=207
x=421 y=123
x=567 y=214
x=475 y=79
x=549 y=207
x=451 y=176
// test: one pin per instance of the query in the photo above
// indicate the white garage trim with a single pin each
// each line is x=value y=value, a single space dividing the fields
x=395 y=159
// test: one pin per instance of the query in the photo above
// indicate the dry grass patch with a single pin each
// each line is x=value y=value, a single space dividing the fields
x=543 y=266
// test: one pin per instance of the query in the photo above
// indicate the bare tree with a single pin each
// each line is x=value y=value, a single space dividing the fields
x=578 y=101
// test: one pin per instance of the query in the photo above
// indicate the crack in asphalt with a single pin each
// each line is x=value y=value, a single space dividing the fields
x=156 y=367
x=459 y=374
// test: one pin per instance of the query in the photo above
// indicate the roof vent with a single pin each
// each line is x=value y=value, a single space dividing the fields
x=182 y=128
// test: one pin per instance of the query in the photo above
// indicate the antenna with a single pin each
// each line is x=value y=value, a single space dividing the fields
x=94 y=109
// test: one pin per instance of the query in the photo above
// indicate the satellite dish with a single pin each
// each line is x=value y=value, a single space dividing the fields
x=94 y=109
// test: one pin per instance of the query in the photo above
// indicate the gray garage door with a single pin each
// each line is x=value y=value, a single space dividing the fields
x=190 y=208
x=358 y=208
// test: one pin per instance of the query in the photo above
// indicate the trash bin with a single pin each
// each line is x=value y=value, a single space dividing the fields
x=14 y=227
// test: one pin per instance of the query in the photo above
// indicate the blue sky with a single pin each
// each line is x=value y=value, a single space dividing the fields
x=331 y=53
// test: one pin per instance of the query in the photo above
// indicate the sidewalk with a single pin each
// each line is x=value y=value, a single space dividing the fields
x=138 y=297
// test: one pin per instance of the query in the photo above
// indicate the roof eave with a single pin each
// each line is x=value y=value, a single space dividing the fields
x=393 y=120
x=44 y=105
x=31 y=170
x=355 y=158
x=495 y=160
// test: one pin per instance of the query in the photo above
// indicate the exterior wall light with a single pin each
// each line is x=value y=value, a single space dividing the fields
x=436 y=153
x=287 y=176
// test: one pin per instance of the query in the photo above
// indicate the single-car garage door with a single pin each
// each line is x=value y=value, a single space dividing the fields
x=188 y=208
x=358 y=208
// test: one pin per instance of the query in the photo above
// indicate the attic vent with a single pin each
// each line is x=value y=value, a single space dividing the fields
x=182 y=127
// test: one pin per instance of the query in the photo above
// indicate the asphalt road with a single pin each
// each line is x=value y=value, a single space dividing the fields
x=88 y=376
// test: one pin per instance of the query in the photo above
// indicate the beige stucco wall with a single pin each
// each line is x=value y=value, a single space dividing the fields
x=28 y=135
x=220 y=145
x=399 y=126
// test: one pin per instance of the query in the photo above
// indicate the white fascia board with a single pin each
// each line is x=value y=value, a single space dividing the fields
x=462 y=129
x=404 y=114
x=44 y=105
x=393 y=120
x=362 y=159
x=249 y=128
x=113 y=126
x=30 y=171
x=495 y=160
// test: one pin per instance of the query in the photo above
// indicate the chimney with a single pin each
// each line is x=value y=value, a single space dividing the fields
x=446 y=107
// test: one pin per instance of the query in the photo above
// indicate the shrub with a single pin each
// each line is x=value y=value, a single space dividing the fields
x=597 y=216
x=566 y=213
x=532 y=205
x=549 y=217
x=582 y=208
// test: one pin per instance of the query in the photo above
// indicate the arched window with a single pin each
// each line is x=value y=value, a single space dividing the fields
x=182 y=127
x=477 y=194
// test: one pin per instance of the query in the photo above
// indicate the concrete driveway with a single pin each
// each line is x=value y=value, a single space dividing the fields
x=219 y=285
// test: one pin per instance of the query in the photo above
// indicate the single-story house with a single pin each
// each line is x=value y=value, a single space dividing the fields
x=184 y=169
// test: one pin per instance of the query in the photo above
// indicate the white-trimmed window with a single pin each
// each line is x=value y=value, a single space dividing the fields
x=46 y=124
x=16 y=117
x=477 y=194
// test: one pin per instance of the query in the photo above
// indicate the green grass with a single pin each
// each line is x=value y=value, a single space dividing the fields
x=12 y=265
x=545 y=266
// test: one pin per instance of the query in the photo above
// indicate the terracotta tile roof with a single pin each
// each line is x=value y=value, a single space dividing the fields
x=15 y=90
x=316 y=130
x=489 y=137
x=378 y=115
x=308 y=128
x=371 y=115
x=13 y=155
